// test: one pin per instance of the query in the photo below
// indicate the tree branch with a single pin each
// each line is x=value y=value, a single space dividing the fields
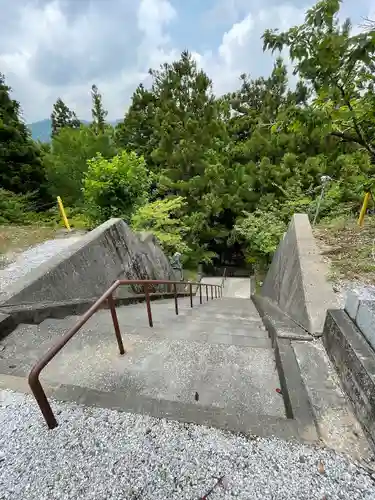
x=348 y=137
x=362 y=139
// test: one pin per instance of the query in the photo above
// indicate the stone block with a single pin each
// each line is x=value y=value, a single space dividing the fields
x=360 y=306
x=354 y=361
x=355 y=296
x=365 y=320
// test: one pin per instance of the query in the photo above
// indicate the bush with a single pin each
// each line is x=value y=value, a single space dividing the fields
x=14 y=208
x=261 y=232
x=66 y=160
x=117 y=187
x=162 y=219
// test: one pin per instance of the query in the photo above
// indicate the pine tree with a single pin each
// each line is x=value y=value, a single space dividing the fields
x=99 y=114
x=137 y=131
x=62 y=117
x=21 y=169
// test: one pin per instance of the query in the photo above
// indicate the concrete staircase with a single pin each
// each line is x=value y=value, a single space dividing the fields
x=213 y=364
x=213 y=361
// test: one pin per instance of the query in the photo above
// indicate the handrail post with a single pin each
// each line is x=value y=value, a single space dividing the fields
x=175 y=298
x=207 y=291
x=215 y=292
x=200 y=293
x=191 y=294
x=42 y=400
x=112 y=306
x=212 y=293
x=148 y=304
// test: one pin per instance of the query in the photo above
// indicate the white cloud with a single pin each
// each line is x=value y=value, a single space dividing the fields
x=52 y=48
x=153 y=18
x=236 y=38
x=241 y=48
x=53 y=54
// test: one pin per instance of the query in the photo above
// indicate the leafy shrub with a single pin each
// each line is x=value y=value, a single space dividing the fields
x=260 y=232
x=116 y=187
x=14 y=208
x=161 y=218
x=66 y=161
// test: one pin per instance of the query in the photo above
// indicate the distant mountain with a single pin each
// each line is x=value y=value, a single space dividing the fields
x=42 y=130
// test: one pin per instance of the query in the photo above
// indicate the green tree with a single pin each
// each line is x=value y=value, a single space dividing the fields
x=163 y=218
x=21 y=169
x=137 y=131
x=99 y=114
x=116 y=187
x=63 y=117
x=339 y=67
x=66 y=161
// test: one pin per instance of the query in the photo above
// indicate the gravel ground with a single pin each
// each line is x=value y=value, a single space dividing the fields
x=103 y=454
x=32 y=258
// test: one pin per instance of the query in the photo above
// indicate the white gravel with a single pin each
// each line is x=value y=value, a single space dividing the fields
x=32 y=258
x=104 y=454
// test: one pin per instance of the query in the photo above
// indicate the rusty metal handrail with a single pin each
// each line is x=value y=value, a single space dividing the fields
x=34 y=382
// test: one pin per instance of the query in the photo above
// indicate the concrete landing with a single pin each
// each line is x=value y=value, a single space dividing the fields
x=239 y=288
x=214 y=356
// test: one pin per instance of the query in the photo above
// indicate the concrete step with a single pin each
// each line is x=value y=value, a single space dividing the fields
x=168 y=369
x=216 y=350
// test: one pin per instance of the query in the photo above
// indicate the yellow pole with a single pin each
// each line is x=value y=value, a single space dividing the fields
x=63 y=214
x=362 y=214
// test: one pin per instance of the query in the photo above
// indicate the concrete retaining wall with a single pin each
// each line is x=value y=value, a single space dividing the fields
x=296 y=280
x=88 y=267
x=354 y=361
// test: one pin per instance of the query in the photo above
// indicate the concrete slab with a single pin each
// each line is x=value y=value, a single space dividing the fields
x=296 y=280
x=282 y=324
x=239 y=288
x=88 y=267
x=355 y=296
x=6 y=324
x=229 y=363
x=365 y=320
x=337 y=424
x=242 y=377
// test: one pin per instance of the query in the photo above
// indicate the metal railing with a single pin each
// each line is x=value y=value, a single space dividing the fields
x=224 y=277
x=34 y=382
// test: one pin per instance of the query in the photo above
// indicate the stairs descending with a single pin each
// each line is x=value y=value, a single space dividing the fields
x=213 y=364
x=215 y=356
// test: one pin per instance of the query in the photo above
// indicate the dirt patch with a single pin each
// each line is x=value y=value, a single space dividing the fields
x=349 y=249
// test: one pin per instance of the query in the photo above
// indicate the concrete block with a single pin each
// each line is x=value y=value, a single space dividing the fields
x=360 y=306
x=87 y=268
x=6 y=324
x=365 y=320
x=355 y=296
x=296 y=280
x=354 y=360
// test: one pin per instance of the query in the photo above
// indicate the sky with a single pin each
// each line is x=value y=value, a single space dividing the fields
x=59 y=48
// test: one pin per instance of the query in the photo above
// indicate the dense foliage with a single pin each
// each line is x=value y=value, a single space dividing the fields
x=210 y=174
x=115 y=187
